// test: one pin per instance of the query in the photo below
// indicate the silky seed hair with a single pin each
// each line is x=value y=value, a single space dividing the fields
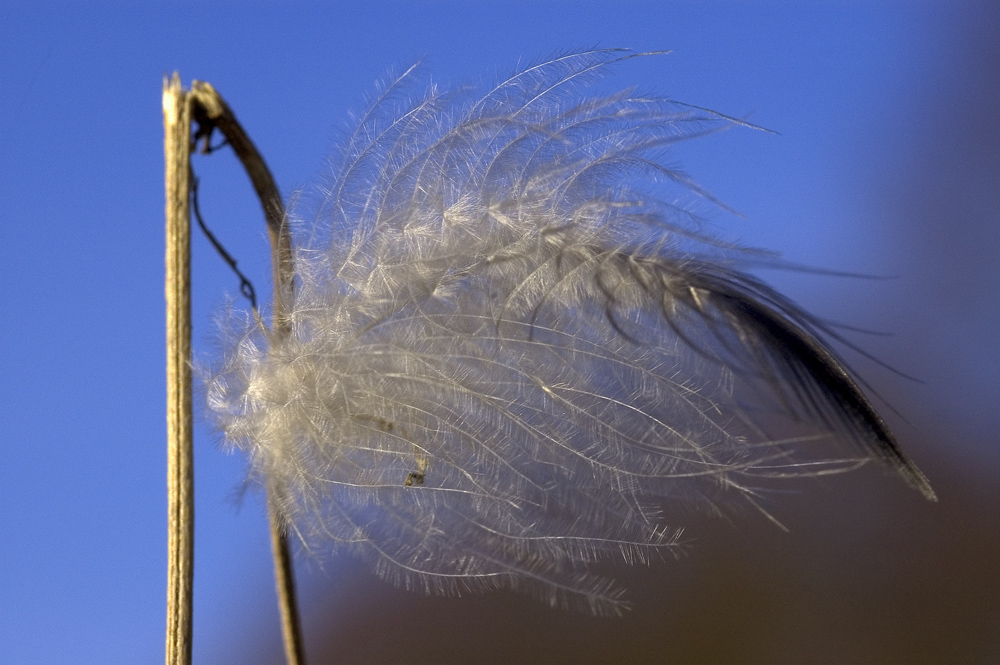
x=514 y=351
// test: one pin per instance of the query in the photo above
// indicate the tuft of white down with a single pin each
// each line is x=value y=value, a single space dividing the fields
x=512 y=354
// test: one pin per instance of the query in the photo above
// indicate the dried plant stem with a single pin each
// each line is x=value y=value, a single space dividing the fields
x=180 y=465
x=284 y=578
x=211 y=112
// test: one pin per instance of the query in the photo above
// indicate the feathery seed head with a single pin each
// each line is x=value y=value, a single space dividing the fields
x=512 y=353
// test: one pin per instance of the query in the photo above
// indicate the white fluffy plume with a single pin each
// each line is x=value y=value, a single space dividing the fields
x=512 y=353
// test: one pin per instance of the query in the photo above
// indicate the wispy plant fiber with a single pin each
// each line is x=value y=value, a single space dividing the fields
x=513 y=352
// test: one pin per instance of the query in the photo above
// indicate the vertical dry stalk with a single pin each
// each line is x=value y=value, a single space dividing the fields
x=209 y=110
x=180 y=463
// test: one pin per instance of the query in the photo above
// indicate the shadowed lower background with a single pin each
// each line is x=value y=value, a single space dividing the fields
x=887 y=163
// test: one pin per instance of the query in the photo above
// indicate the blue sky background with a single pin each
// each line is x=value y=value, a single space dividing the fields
x=874 y=103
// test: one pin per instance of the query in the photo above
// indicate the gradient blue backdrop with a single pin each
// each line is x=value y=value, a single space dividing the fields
x=82 y=399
